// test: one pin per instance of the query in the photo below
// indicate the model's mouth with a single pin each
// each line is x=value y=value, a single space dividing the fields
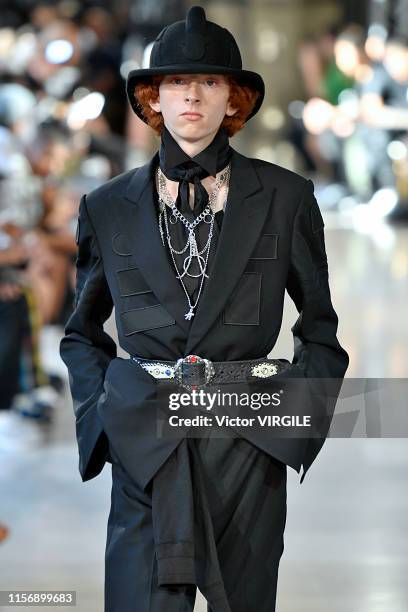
x=191 y=114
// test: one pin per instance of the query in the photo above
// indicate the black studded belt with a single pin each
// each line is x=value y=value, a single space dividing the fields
x=193 y=371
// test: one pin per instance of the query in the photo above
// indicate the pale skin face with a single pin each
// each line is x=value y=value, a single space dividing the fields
x=207 y=95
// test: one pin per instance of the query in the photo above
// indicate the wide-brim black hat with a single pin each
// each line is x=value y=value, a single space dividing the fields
x=195 y=46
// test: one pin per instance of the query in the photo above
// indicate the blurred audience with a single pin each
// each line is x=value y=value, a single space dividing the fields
x=353 y=125
x=62 y=132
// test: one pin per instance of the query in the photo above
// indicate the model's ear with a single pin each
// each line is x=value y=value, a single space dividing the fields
x=230 y=110
x=155 y=105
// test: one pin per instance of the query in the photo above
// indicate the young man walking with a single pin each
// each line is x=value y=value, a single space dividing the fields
x=195 y=250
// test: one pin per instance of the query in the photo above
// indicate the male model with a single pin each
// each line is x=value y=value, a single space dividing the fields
x=195 y=250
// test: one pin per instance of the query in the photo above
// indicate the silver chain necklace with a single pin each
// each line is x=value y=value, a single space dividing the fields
x=206 y=216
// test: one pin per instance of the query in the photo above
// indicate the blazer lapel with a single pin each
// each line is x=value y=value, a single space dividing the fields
x=138 y=220
x=245 y=213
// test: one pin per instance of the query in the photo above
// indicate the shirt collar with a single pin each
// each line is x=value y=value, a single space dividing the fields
x=175 y=155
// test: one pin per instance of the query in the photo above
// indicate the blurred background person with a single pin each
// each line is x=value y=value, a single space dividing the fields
x=323 y=79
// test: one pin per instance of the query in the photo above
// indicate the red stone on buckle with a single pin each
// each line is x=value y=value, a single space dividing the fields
x=193 y=359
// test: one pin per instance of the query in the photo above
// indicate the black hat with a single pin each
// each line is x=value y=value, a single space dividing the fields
x=195 y=46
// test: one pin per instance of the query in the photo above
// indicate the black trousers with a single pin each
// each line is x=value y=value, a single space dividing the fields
x=246 y=490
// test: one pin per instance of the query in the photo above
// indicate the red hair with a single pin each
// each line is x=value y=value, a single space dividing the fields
x=242 y=97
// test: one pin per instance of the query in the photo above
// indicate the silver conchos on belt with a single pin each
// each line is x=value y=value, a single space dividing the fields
x=264 y=370
x=156 y=369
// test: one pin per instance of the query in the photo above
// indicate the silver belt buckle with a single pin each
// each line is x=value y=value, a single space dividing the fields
x=193 y=371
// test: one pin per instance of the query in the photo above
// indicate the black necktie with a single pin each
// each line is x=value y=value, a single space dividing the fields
x=187 y=173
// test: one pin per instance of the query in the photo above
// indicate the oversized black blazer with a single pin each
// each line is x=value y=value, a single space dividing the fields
x=272 y=239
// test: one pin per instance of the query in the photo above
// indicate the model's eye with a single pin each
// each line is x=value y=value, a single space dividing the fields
x=177 y=80
x=211 y=82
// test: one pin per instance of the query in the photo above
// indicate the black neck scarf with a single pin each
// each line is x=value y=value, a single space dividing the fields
x=176 y=165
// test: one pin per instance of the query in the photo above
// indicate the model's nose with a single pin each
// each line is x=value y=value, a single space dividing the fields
x=192 y=94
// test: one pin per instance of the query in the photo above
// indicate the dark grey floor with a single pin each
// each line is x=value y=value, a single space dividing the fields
x=346 y=539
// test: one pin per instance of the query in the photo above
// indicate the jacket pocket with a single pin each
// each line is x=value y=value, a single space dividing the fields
x=142 y=319
x=243 y=307
x=266 y=247
x=131 y=282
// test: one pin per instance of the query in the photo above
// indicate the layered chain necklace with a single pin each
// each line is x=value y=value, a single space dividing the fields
x=193 y=254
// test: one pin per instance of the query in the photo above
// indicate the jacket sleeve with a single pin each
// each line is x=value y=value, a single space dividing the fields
x=87 y=349
x=317 y=351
